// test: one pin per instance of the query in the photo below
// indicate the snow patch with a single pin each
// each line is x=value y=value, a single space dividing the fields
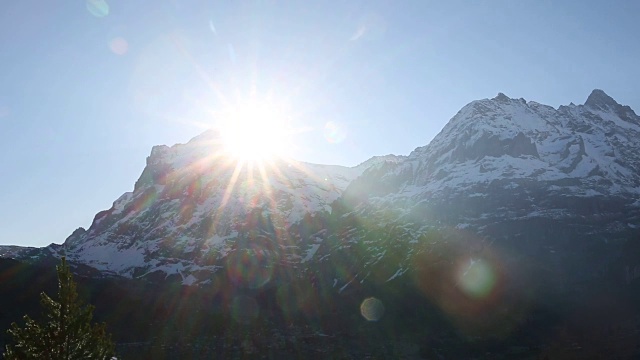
x=398 y=273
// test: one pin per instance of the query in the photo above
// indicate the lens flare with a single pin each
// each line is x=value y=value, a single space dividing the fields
x=145 y=200
x=334 y=132
x=212 y=28
x=371 y=27
x=477 y=279
x=98 y=8
x=250 y=268
x=119 y=46
x=372 y=309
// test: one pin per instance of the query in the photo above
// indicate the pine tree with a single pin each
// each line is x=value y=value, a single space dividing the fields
x=65 y=332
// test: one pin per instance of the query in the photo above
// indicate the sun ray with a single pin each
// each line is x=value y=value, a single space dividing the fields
x=255 y=141
x=212 y=85
x=268 y=193
x=265 y=179
x=227 y=193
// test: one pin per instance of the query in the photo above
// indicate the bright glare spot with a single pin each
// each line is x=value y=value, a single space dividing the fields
x=119 y=46
x=257 y=131
x=334 y=132
x=98 y=8
x=477 y=279
x=372 y=309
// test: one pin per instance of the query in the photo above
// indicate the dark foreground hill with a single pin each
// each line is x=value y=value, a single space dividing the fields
x=171 y=321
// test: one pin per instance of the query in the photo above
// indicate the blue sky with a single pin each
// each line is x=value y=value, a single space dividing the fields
x=87 y=88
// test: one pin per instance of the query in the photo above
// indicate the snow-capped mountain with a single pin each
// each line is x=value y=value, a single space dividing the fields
x=502 y=138
x=559 y=187
x=192 y=203
x=504 y=175
x=516 y=147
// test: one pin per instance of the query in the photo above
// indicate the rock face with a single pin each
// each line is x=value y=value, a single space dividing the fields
x=192 y=206
x=505 y=178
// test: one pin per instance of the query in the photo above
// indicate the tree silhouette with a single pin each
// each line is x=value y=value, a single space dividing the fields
x=65 y=331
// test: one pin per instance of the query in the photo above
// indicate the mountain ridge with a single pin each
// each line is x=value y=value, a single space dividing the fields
x=496 y=161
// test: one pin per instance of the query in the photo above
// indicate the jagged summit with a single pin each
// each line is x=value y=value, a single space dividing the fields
x=504 y=99
x=504 y=139
x=501 y=97
x=600 y=99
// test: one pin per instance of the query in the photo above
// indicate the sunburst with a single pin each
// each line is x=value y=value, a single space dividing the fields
x=256 y=131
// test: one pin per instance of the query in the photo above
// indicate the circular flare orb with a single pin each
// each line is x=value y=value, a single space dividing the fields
x=372 y=309
x=119 y=46
x=250 y=268
x=334 y=132
x=478 y=279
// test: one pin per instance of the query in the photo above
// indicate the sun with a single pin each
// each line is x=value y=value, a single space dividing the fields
x=256 y=131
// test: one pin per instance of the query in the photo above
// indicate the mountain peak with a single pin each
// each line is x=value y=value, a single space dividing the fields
x=599 y=99
x=501 y=97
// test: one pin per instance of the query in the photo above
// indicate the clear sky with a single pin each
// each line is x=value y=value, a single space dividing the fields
x=87 y=88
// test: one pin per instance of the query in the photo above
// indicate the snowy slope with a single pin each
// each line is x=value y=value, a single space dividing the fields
x=503 y=138
x=192 y=204
x=503 y=173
